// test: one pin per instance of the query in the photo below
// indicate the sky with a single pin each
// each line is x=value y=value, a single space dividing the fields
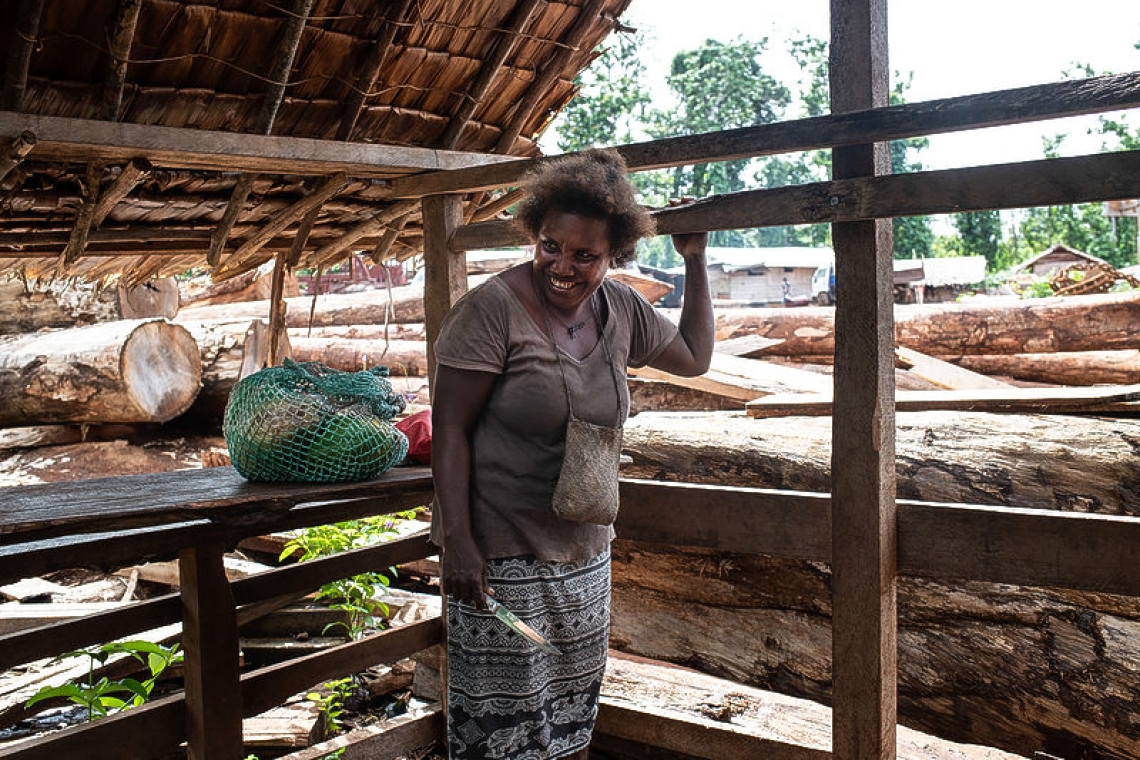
x=952 y=48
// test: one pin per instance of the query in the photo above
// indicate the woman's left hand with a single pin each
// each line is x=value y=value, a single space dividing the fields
x=688 y=244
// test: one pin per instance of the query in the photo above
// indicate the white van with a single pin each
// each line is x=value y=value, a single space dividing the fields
x=823 y=285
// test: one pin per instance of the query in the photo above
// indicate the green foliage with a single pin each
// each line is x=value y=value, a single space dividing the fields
x=979 y=234
x=100 y=698
x=357 y=595
x=330 y=702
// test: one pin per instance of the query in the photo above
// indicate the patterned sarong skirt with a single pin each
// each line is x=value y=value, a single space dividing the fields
x=506 y=698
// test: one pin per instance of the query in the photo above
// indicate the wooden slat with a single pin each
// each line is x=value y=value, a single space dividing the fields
x=999 y=108
x=212 y=656
x=1081 y=179
x=1007 y=400
x=743 y=379
x=330 y=252
x=81 y=140
x=23 y=37
x=864 y=649
x=393 y=739
x=219 y=493
x=692 y=737
x=119 y=53
x=944 y=374
x=445 y=274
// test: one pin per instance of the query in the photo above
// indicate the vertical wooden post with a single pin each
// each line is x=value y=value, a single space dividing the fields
x=864 y=532
x=210 y=641
x=445 y=273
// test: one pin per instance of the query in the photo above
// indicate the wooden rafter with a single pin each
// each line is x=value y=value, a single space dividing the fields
x=121 y=39
x=329 y=252
x=503 y=47
x=298 y=16
x=25 y=32
x=588 y=15
x=77 y=243
x=288 y=217
x=380 y=252
x=495 y=206
x=18 y=149
x=66 y=140
x=136 y=171
x=354 y=101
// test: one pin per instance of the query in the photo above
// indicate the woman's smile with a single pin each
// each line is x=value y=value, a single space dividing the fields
x=571 y=258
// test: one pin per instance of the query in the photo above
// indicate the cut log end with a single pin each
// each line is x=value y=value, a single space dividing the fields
x=162 y=370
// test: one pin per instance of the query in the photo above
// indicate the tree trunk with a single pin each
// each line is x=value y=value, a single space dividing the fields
x=229 y=351
x=369 y=307
x=395 y=331
x=1120 y=367
x=993 y=326
x=26 y=310
x=128 y=371
x=402 y=357
x=1019 y=668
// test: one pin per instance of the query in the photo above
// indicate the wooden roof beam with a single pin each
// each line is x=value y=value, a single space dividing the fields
x=501 y=50
x=77 y=243
x=123 y=36
x=329 y=252
x=25 y=33
x=993 y=109
x=65 y=140
x=137 y=170
x=588 y=15
x=283 y=57
x=354 y=101
x=287 y=218
x=18 y=149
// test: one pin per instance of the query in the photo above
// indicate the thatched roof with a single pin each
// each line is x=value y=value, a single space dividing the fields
x=145 y=120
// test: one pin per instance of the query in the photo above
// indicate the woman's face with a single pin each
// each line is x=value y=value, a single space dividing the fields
x=571 y=257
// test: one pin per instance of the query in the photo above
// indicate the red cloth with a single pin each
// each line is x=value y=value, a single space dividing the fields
x=418 y=429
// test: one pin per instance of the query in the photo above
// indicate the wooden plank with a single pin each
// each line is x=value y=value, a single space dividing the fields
x=16 y=617
x=16 y=151
x=1002 y=107
x=743 y=379
x=445 y=274
x=746 y=345
x=81 y=140
x=1049 y=182
x=944 y=374
x=210 y=641
x=863 y=520
x=392 y=739
x=1067 y=400
x=119 y=503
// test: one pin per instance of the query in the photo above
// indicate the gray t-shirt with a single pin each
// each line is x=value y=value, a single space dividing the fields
x=517 y=445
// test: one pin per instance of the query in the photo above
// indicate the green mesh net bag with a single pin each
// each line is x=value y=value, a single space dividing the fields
x=306 y=422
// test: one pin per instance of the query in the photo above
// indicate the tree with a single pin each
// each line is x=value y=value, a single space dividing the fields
x=612 y=99
x=913 y=236
x=980 y=234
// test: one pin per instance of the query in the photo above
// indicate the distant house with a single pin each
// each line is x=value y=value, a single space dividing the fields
x=941 y=279
x=755 y=276
x=1057 y=257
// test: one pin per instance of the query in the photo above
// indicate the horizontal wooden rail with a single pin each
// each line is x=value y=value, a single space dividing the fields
x=84 y=140
x=992 y=109
x=1029 y=547
x=218 y=494
x=157 y=728
x=48 y=640
x=1080 y=179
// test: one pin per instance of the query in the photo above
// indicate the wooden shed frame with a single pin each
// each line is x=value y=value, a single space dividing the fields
x=862 y=530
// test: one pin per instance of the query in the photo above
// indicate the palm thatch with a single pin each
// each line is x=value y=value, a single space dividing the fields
x=142 y=138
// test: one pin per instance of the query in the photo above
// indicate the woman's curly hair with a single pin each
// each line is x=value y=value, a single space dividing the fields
x=593 y=184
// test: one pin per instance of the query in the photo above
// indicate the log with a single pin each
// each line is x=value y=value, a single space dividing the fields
x=395 y=331
x=27 y=309
x=229 y=351
x=368 y=307
x=1018 y=668
x=129 y=371
x=982 y=326
x=1118 y=367
x=402 y=357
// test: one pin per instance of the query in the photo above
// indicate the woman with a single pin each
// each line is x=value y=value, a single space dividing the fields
x=514 y=355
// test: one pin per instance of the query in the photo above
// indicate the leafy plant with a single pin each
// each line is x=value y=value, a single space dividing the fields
x=356 y=595
x=330 y=702
x=101 y=697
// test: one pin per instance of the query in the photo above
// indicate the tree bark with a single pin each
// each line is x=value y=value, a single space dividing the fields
x=25 y=310
x=1120 y=367
x=229 y=351
x=992 y=326
x=402 y=357
x=127 y=371
x=369 y=307
x=1019 y=668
